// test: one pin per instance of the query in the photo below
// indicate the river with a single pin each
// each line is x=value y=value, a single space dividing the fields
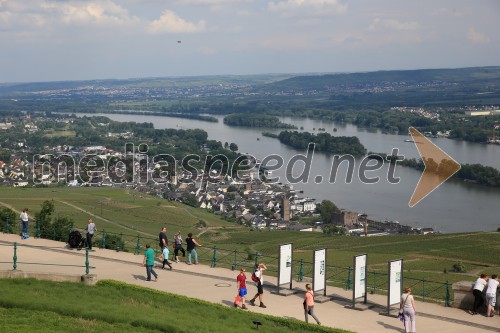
x=455 y=206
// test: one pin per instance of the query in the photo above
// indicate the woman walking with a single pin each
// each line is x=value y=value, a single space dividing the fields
x=309 y=304
x=408 y=306
x=191 y=248
x=178 y=246
x=24 y=218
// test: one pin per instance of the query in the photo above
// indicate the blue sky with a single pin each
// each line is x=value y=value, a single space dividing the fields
x=47 y=40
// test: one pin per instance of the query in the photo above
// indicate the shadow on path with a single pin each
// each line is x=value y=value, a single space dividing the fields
x=391 y=327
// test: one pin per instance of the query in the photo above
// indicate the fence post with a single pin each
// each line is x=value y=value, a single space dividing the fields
x=7 y=225
x=423 y=290
x=214 y=256
x=374 y=284
x=301 y=270
x=349 y=278
x=103 y=240
x=256 y=259
x=15 y=256
x=87 y=261
x=138 y=246
x=447 y=301
x=37 y=235
x=233 y=266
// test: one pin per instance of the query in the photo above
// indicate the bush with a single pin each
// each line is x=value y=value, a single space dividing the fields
x=201 y=224
x=61 y=227
x=8 y=220
x=113 y=242
x=459 y=267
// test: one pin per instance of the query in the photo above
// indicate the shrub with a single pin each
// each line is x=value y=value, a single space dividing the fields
x=459 y=267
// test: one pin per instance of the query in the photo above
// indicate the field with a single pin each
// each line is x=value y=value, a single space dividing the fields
x=117 y=307
x=428 y=260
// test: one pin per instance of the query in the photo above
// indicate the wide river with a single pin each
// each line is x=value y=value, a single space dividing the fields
x=455 y=206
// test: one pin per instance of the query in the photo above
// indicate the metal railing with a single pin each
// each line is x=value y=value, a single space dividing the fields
x=215 y=256
x=15 y=258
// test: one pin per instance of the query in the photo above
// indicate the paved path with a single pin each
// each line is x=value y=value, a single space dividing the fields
x=217 y=285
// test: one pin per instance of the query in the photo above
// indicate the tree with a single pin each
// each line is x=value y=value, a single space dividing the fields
x=326 y=210
x=8 y=219
x=44 y=217
x=330 y=229
x=233 y=147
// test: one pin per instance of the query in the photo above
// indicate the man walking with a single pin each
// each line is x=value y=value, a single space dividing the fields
x=258 y=277
x=242 y=289
x=163 y=238
x=149 y=261
x=91 y=229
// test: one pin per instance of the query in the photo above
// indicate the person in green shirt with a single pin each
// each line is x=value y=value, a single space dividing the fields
x=149 y=262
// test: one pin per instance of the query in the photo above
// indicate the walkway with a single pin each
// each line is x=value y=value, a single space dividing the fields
x=217 y=285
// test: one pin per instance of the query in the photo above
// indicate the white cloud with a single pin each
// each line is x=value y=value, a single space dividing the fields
x=392 y=24
x=476 y=37
x=101 y=12
x=169 y=22
x=311 y=6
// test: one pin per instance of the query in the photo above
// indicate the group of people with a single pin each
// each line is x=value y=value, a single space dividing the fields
x=149 y=255
x=491 y=286
x=258 y=278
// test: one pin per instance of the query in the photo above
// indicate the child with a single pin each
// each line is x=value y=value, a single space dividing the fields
x=164 y=257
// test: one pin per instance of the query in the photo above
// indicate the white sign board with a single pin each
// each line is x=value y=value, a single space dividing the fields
x=285 y=269
x=319 y=269
x=359 y=277
x=395 y=280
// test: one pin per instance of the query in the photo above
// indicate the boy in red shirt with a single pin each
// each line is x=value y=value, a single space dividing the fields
x=242 y=289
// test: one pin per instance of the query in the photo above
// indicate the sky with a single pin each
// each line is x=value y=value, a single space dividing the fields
x=52 y=40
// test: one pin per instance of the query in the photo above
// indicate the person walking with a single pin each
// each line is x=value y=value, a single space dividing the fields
x=491 y=295
x=409 y=311
x=163 y=238
x=477 y=291
x=164 y=257
x=24 y=218
x=309 y=304
x=149 y=261
x=191 y=245
x=258 y=278
x=178 y=246
x=91 y=229
x=242 y=289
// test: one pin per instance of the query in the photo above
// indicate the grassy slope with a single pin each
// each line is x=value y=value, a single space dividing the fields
x=127 y=210
x=116 y=307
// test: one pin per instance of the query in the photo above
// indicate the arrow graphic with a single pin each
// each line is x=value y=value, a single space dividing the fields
x=439 y=167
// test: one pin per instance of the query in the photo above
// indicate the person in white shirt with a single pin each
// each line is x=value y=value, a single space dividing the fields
x=409 y=311
x=259 y=274
x=477 y=291
x=491 y=295
x=91 y=229
x=24 y=218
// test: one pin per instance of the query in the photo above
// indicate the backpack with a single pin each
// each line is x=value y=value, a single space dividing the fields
x=255 y=278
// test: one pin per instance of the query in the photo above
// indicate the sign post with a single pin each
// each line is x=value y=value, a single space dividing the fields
x=319 y=271
x=285 y=266
x=395 y=283
x=360 y=286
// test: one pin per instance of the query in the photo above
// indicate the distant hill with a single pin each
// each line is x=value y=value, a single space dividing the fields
x=410 y=77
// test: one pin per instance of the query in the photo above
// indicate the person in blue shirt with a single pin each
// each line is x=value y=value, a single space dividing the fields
x=149 y=262
x=164 y=257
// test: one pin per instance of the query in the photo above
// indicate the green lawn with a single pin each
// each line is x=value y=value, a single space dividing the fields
x=112 y=306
